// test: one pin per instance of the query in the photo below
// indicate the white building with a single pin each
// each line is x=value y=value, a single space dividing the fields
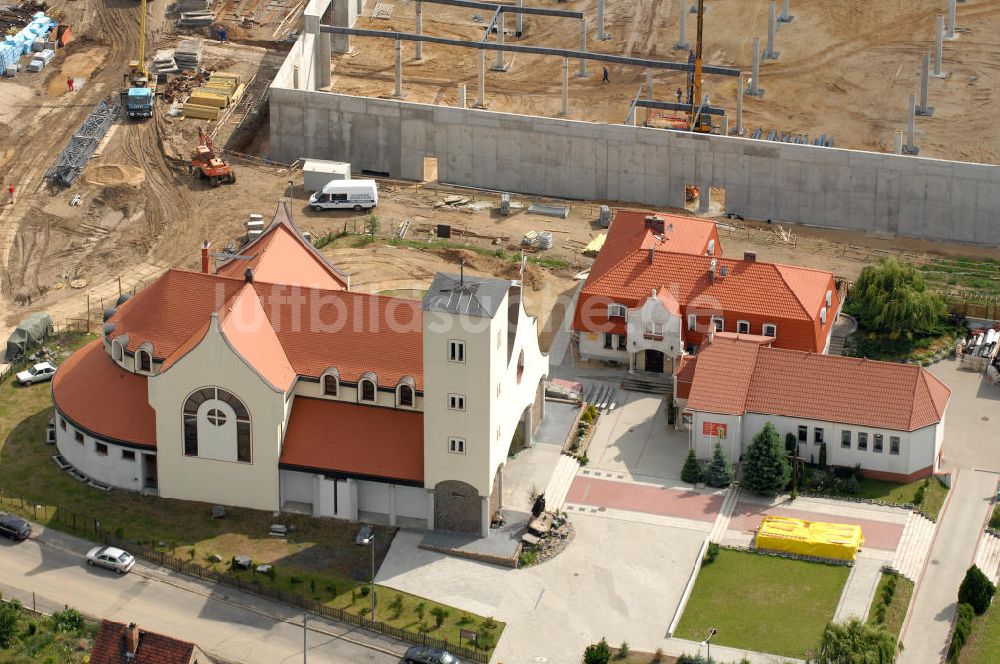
x=887 y=417
x=270 y=385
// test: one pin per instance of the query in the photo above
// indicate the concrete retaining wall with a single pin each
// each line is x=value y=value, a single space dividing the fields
x=802 y=184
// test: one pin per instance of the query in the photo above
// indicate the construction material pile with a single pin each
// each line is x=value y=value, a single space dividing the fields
x=222 y=89
x=80 y=148
x=196 y=19
x=187 y=6
x=14 y=47
x=537 y=239
x=163 y=63
x=181 y=86
x=187 y=55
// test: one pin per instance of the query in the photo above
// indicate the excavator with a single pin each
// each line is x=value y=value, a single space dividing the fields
x=140 y=90
x=210 y=165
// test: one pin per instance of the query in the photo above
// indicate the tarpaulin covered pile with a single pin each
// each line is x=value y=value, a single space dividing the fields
x=839 y=541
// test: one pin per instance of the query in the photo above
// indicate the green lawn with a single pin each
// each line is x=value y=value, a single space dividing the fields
x=319 y=559
x=903 y=494
x=983 y=646
x=895 y=612
x=763 y=603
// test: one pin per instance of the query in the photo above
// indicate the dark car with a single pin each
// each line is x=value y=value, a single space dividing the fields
x=15 y=528
x=422 y=655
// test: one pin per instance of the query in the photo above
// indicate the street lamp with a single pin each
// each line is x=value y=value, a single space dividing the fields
x=708 y=642
x=305 y=633
x=370 y=542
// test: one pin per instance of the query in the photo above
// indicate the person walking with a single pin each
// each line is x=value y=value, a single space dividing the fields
x=605 y=79
x=679 y=94
x=10 y=190
x=69 y=83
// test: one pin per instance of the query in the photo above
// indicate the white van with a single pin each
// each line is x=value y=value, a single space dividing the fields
x=357 y=194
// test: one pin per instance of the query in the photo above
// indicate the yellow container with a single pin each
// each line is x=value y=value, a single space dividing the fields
x=839 y=541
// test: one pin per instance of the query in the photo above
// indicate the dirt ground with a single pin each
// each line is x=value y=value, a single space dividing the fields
x=846 y=68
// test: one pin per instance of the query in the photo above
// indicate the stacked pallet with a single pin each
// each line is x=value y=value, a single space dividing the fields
x=200 y=112
x=163 y=63
x=195 y=19
x=187 y=55
x=186 y=6
x=222 y=89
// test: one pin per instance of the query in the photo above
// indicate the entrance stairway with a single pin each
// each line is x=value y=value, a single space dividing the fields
x=649 y=383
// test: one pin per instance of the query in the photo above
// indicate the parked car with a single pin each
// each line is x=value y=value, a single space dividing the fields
x=36 y=374
x=108 y=556
x=423 y=655
x=15 y=528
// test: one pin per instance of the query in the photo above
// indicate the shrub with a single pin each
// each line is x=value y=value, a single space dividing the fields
x=718 y=473
x=767 y=469
x=69 y=620
x=791 y=443
x=586 y=416
x=963 y=627
x=598 y=653
x=995 y=518
x=527 y=557
x=657 y=657
x=364 y=590
x=822 y=455
x=976 y=590
x=9 y=613
x=691 y=472
x=295 y=580
x=711 y=553
x=583 y=459
x=119 y=533
x=489 y=623
x=439 y=613
x=332 y=589
x=918 y=495
x=419 y=611
x=852 y=486
x=396 y=606
x=855 y=641
x=623 y=650
x=592 y=412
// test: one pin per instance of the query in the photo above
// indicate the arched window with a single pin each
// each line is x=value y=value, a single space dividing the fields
x=331 y=382
x=143 y=361
x=405 y=395
x=406 y=392
x=116 y=350
x=367 y=390
x=216 y=426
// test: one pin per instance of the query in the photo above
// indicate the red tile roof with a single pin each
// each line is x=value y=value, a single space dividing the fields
x=626 y=273
x=101 y=397
x=735 y=376
x=282 y=256
x=355 y=440
x=685 y=375
x=110 y=647
x=173 y=313
x=249 y=331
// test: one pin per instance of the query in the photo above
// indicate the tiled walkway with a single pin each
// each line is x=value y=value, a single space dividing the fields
x=647 y=498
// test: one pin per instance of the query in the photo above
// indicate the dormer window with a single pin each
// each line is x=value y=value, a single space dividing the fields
x=829 y=298
x=769 y=330
x=743 y=326
x=616 y=311
x=719 y=323
x=711 y=248
x=692 y=321
x=366 y=390
x=405 y=392
x=116 y=351
x=822 y=316
x=330 y=382
x=143 y=361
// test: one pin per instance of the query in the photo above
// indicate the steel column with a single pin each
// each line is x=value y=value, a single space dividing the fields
x=583 y=48
x=923 y=109
x=419 y=31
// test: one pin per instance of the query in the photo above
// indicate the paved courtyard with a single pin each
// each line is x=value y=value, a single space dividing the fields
x=619 y=579
x=634 y=439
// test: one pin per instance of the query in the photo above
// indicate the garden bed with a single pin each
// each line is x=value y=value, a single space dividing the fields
x=893 y=593
x=926 y=496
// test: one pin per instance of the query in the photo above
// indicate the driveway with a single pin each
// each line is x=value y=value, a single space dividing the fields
x=634 y=439
x=972 y=425
x=619 y=579
x=222 y=621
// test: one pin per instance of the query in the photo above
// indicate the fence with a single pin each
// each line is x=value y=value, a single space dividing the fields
x=91 y=526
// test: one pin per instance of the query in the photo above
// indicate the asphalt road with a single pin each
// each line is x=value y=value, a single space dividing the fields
x=226 y=623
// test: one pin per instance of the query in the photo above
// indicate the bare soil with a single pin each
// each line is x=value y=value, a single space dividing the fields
x=846 y=69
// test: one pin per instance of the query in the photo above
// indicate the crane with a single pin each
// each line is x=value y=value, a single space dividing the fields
x=139 y=92
x=699 y=121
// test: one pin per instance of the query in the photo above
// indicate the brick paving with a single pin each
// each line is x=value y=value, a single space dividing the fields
x=646 y=498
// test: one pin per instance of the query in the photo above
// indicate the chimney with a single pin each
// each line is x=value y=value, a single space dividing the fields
x=655 y=224
x=131 y=639
x=711 y=270
x=651 y=253
x=750 y=256
x=205 y=258
x=248 y=275
x=711 y=334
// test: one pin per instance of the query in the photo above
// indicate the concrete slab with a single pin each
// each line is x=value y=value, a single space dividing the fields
x=530 y=470
x=555 y=425
x=636 y=440
x=969 y=437
x=604 y=584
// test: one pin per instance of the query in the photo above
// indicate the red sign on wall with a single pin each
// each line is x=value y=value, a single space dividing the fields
x=716 y=429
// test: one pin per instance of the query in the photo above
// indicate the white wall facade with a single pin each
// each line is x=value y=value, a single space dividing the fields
x=639 y=337
x=111 y=468
x=352 y=496
x=213 y=363
x=705 y=428
x=592 y=348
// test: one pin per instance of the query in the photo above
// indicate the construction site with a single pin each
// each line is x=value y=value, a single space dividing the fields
x=135 y=203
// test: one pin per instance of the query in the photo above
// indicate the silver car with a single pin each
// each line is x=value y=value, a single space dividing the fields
x=108 y=556
x=36 y=374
